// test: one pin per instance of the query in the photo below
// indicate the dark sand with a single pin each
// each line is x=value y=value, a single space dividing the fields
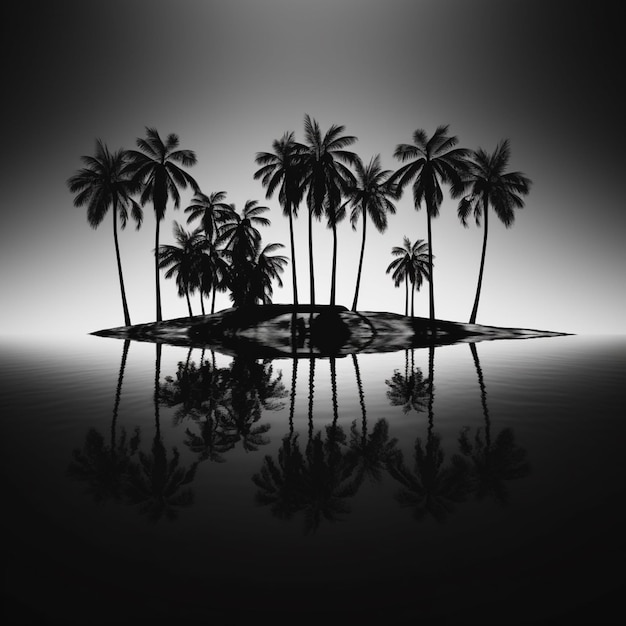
x=265 y=331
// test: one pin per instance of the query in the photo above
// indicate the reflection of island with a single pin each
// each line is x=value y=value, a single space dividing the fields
x=222 y=408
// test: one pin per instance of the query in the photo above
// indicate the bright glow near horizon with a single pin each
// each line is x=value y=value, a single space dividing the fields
x=247 y=72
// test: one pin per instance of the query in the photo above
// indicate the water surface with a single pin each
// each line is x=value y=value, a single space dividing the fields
x=471 y=483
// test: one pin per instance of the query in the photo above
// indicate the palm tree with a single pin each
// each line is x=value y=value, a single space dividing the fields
x=183 y=261
x=431 y=161
x=155 y=166
x=102 y=184
x=325 y=179
x=370 y=196
x=239 y=233
x=283 y=168
x=411 y=265
x=267 y=268
x=489 y=183
x=213 y=212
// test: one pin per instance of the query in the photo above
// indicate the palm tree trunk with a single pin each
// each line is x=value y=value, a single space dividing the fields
x=119 y=267
x=157 y=377
x=156 y=272
x=358 y=276
x=431 y=288
x=311 y=272
x=412 y=300
x=334 y=268
x=213 y=300
x=202 y=303
x=293 y=257
x=188 y=301
x=406 y=295
x=472 y=319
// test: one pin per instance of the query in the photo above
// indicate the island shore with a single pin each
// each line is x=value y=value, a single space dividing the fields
x=271 y=331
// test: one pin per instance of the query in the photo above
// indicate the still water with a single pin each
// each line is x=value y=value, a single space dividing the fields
x=471 y=483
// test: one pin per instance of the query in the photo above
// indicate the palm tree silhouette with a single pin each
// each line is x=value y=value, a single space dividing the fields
x=370 y=196
x=411 y=265
x=184 y=261
x=431 y=161
x=212 y=211
x=155 y=166
x=325 y=179
x=283 y=169
x=489 y=183
x=104 y=183
x=494 y=462
x=239 y=233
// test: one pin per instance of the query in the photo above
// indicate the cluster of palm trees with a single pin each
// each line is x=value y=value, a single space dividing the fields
x=225 y=251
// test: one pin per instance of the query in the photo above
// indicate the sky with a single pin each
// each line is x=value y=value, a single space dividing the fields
x=230 y=76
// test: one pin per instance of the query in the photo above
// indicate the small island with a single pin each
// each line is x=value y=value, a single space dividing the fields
x=284 y=330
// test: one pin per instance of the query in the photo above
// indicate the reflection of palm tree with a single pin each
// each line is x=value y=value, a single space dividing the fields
x=432 y=488
x=493 y=461
x=104 y=183
x=105 y=468
x=327 y=481
x=371 y=452
x=280 y=483
x=155 y=481
x=411 y=390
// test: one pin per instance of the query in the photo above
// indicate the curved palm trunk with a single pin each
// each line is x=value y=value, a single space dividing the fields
x=431 y=288
x=213 y=300
x=188 y=301
x=358 y=276
x=472 y=319
x=359 y=385
x=293 y=257
x=406 y=295
x=202 y=303
x=412 y=299
x=156 y=272
x=311 y=272
x=119 y=267
x=333 y=279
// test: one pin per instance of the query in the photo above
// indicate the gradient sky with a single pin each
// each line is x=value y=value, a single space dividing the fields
x=229 y=76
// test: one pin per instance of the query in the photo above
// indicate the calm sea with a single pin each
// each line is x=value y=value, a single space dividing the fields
x=153 y=484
